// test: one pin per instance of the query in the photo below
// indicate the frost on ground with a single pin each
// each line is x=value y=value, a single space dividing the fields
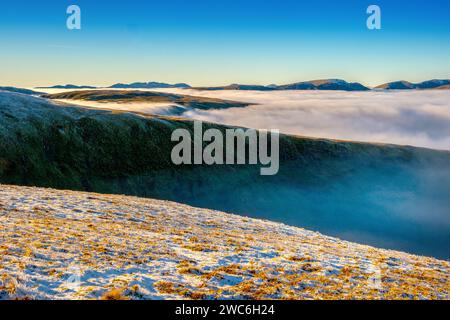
x=75 y=245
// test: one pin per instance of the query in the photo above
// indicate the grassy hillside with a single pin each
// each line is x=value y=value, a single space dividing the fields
x=76 y=245
x=147 y=97
x=385 y=195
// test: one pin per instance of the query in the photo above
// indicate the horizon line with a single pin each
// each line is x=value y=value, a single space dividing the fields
x=227 y=84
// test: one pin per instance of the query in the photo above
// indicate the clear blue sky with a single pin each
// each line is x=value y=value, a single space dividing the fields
x=212 y=42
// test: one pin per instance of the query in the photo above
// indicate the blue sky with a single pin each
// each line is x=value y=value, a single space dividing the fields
x=219 y=42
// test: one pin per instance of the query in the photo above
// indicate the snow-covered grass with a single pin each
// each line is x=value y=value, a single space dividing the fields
x=74 y=245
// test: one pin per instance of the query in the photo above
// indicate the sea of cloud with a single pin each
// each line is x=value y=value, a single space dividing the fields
x=418 y=118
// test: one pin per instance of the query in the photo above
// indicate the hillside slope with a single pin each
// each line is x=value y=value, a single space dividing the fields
x=136 y=96
x=72 y=245
x=20 y=90
x=385 y=195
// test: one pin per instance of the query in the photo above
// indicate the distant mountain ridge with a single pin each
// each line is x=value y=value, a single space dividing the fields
x=236 y=86
x=406 y=85
x=149 y=85
x=325 y=84
x=322 y=84
x=67 y=86
x=134 y=85
x=336 y=84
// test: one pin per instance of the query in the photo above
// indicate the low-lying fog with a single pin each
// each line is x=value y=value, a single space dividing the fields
x=418 y=118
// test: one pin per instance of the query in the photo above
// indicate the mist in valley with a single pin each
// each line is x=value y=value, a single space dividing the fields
x=417 y=118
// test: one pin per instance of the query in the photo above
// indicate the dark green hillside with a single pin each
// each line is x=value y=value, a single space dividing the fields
x=385 y=195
